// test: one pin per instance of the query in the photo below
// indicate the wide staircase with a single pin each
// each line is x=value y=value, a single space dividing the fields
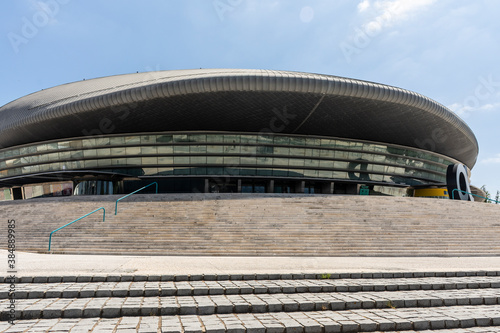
x=238 y=224
x=464 y=301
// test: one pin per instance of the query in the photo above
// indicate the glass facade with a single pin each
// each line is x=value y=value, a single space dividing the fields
x=212 y=154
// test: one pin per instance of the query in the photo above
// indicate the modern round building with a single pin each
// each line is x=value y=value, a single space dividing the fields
x=227 y=130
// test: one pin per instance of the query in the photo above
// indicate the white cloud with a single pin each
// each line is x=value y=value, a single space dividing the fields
x=391 y=12
x=465 y=110
x=492 y=160
x=363 y=5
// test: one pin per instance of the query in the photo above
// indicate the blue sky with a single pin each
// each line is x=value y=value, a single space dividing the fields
x=447 y=50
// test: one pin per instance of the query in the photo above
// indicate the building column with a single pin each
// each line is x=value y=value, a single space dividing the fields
x=270 y=186
x=300 y=186
x=206 y=185
x=239 y=185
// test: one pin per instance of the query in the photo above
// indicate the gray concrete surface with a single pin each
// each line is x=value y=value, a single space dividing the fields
x=33 y=264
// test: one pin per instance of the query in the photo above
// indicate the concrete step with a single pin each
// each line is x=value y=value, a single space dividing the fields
x=84 y=288
x=356 y=320
x=221 y=224
x=119 y=306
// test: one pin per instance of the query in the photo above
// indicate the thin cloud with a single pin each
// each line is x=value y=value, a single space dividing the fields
x=492 y=160
x=464 y=110
x=391 y=12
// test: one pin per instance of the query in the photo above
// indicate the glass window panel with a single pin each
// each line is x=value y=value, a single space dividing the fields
x=340 y=165
x=132 y=140
x=164 y=138
x=215 y=171
x=199 y=171
x=165 y=160
x=265 y=139
x=202 y=138
x=264 y=161
x=88 y=143
x=281 y=151
x=149 y=160
x=311 y=173
x=198 y=159
x=104 y=162
x=247 y=160
x=279 y=172
x=102 y=141
x=90 y=153
x=104 y=152
x=180 y=138
x=166 y=171
x=325 y=174
x=280 y=162
x=232 y=160
x=215 y=160
x=134 y=161
x=297 y=151
x=308 y=163
x=229 y=138
x=326 y=153
x=248 y=172
x=326 y=164
x=281 y=140
x=145 y=139
x=312 y=142
x=181 y=149
x=53 y=156
x=119 y=161
x=248 y=139
x=354 y=155
x=149 y=150
x=327 y=143
x=90 y=163
x=117 y=140
x=312 y=152
x=215 y=149
x=119 y=151
x=215 y=138
x=181 y=160
x=132 y=151
x=150 y=171
x=249 y=150
x=378 y=168
x=264 y=150
x=182 y=171
x=264 y=172
x=165 y=149
x=296 y=173
x=296 y=162
x=198 y=149
x=65 y=155
x=298 y=141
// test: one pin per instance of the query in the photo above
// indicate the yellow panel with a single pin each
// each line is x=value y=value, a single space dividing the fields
x=431 y=192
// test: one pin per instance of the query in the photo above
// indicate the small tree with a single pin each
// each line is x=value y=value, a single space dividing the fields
x=486 y=193
x=497 y=197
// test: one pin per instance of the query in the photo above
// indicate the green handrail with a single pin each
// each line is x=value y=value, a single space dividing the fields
x=453 y=195
x=142 y=188
x=103 y=219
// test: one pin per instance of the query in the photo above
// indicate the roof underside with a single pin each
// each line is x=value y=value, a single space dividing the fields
x=241 y=101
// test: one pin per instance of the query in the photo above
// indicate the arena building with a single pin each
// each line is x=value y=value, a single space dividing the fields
x=227 y=130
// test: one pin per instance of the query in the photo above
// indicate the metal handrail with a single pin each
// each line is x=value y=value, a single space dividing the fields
x=142 y=188
x=456 y=189
x=103 y=219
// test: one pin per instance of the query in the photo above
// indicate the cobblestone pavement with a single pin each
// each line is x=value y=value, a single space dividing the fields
x=361 y=320
x=442 y=302
x=171 y=288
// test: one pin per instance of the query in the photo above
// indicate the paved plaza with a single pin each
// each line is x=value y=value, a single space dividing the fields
x=176 y=294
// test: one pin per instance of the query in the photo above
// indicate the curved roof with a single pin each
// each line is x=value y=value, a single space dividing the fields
x=238 y=100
